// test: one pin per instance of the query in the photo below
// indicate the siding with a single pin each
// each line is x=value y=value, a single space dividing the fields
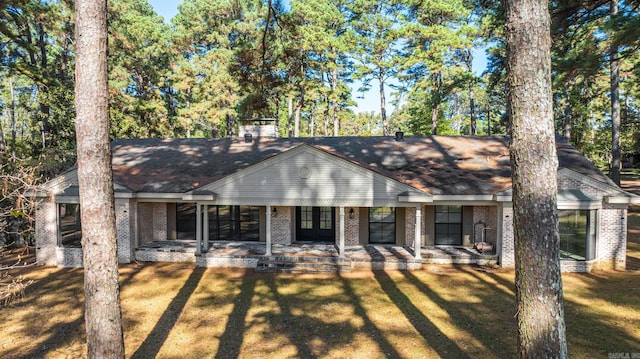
x=312 y=178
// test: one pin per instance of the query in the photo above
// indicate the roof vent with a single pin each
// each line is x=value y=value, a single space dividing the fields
x=248 y=137
x=399 y=136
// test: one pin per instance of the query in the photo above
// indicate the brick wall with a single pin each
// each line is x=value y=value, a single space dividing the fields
x=160 y=222
x=507 y=259
x=488 y=216
x=351 y=227
x=46 y=232
x=410 y=225
x=612 y=237
x=123 y=231
x=281 y=226
x=145 y=223
x=572 y=183
x=153 y=255
x=69 y=257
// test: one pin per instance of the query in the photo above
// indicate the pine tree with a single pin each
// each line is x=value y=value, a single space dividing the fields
x=534 y=163
x=103 y=317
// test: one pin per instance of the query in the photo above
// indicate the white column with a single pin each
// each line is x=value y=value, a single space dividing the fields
x=198 y=229
x=268 y=230
x=418 y=236
x=205 y=228
x=341 y=234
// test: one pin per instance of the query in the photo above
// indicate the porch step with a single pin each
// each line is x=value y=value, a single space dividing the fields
x=289 y=264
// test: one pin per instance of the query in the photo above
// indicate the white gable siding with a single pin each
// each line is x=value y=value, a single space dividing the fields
x=307 y=177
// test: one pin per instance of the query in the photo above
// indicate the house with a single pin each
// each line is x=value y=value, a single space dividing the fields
x=233 y=202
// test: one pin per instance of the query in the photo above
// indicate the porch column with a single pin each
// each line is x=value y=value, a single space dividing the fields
x=205 y=228
x=198 y=229
x=418 y=234
x=268 y=230
x=341 y=234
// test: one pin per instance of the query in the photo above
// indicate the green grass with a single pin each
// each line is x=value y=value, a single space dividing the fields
x=630 y=173
x=179 y=311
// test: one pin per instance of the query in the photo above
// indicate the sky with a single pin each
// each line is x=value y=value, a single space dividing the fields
x=371 y=101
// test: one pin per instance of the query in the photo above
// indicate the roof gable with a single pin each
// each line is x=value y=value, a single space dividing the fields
x=307 y=175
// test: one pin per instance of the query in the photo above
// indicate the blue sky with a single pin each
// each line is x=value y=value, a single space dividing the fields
x=371 y=101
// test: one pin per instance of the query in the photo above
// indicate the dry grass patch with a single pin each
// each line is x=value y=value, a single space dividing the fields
x=179 y=311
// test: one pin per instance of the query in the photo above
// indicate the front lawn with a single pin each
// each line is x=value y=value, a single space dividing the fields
x=179 y=311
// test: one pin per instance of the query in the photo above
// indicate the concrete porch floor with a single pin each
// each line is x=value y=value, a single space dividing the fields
x=362 y=256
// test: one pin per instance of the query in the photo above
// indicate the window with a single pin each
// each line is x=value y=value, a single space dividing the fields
x=234 y=223
x=186 y=220
x=382 y=225
x=577 y=229
x=69 y=225
x=448 y=225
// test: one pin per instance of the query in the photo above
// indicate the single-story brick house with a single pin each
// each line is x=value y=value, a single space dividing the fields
x=409 y=192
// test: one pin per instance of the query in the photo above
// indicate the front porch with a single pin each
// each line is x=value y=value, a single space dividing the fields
x=308 y=257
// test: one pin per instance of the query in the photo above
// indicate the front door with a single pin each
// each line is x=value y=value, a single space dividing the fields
x=315 y=224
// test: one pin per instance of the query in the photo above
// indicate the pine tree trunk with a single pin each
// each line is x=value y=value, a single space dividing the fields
x=334 y=103
x=434 y=121
x=566 y=123
x=534 y=163
x=383 y=104
x=290 y=117
x=103 y=317
x=615 y=104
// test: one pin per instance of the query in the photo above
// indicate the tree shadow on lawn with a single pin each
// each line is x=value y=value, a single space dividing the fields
x=232 y=338
x=432 y=335
x=61 y=321
x=298 y=318
x=599 y=312
x=488 y=319
x=157 y=337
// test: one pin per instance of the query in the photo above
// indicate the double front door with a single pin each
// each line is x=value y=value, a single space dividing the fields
x=315 y=224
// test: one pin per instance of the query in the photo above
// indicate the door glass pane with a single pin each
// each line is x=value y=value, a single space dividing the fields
x=306 y=217
x=325 y=218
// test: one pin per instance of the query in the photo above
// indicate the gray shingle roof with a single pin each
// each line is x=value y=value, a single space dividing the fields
x=434 y=164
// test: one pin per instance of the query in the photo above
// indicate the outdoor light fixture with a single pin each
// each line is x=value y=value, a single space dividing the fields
x=274 y=212
x=352 y=214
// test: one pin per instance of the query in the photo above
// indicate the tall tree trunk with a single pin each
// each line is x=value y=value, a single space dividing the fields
x=296 y=126
x=534 y=163
x=277 y=119
x=566 y=123
x=383 y=103
x=615 y=104
x=434 y=121
x=312 y=124
x=290 y=113
x=3 y=145
x=468 y=59
x=43 y=89
x=334 y=103
x=326 y=118
x=103 y=317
